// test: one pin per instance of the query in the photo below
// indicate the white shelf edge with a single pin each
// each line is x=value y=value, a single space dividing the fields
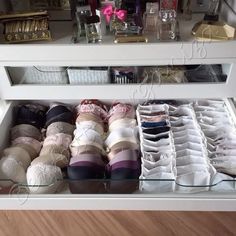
x=134 y=54
x=115 y=92
x=118 y=203
x=63 y=50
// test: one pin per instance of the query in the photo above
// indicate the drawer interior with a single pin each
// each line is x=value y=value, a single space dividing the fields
x=148 y=186
x=152 y=74
x=160 y=80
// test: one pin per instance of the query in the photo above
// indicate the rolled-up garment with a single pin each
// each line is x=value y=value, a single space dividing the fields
x=19 y=154
x=92 y=158
x=122 y=123
x=87 y=137
x=59 y=113
x=60 y=127
x=27 y=147
x=124 y=171
x=121 y=135
x=90 y=125
x=85 y=172
x=125 y=155
x=121 y=146
x=32 y=114
x=77 y=150
x=30 y=141
x=11 y=169
x=55 y=149
x=52 y=159
x=89 y=117
x=120 y=111
x=43 y=178
x=25 y=130
x=92 y=107
x=60 y=139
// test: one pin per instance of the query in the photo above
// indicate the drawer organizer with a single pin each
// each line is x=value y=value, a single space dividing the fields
x=191 y=143
x=38 y=75
x=88 y=76
x=186 y=147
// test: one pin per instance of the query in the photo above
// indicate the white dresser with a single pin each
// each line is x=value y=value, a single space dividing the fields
x=61 y=52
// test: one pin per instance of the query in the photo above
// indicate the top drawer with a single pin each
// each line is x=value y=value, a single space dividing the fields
x=155 y=81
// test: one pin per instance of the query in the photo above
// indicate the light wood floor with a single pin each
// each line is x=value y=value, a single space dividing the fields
x=109 y=223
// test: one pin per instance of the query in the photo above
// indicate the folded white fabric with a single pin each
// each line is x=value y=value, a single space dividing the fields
x=19 y=154
x=11 y=169
x=122 y=123
x=121 y=135
x=85 y=125
x=87 y=137
x=43 y=178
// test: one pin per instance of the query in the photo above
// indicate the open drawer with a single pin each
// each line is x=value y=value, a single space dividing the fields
x=167 y=194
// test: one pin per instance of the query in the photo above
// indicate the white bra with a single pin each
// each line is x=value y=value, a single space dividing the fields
x=122 y=123
x=87 y=137
x=121 y=135
x=90 y=125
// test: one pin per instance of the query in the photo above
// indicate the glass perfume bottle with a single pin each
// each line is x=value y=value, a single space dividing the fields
x=116 y=24
x=211 y=27
x=118 y=4
x=93 y=29
x=167 y=25
x=82 y=12
x=214 y=7
x=187 y=12
x=150 y=18
x=168 y=5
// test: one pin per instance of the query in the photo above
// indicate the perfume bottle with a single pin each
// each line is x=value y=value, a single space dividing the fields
x=133 y=22
x=150 y=18
x=82 y=12
x=116 y=24
x=214 y=7
x=167 y=25
x=93 y=29
x=168 y=5
x=187 y=12
x=118 y=4
x=211 y=27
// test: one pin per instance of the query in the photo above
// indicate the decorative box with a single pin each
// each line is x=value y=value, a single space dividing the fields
x=25 y=27
x=38 y=75
x=88 y=76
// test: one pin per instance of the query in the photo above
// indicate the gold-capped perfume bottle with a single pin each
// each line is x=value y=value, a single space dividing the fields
x=93 y=29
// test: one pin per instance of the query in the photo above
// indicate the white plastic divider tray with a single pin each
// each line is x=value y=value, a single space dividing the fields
x=191 y=143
